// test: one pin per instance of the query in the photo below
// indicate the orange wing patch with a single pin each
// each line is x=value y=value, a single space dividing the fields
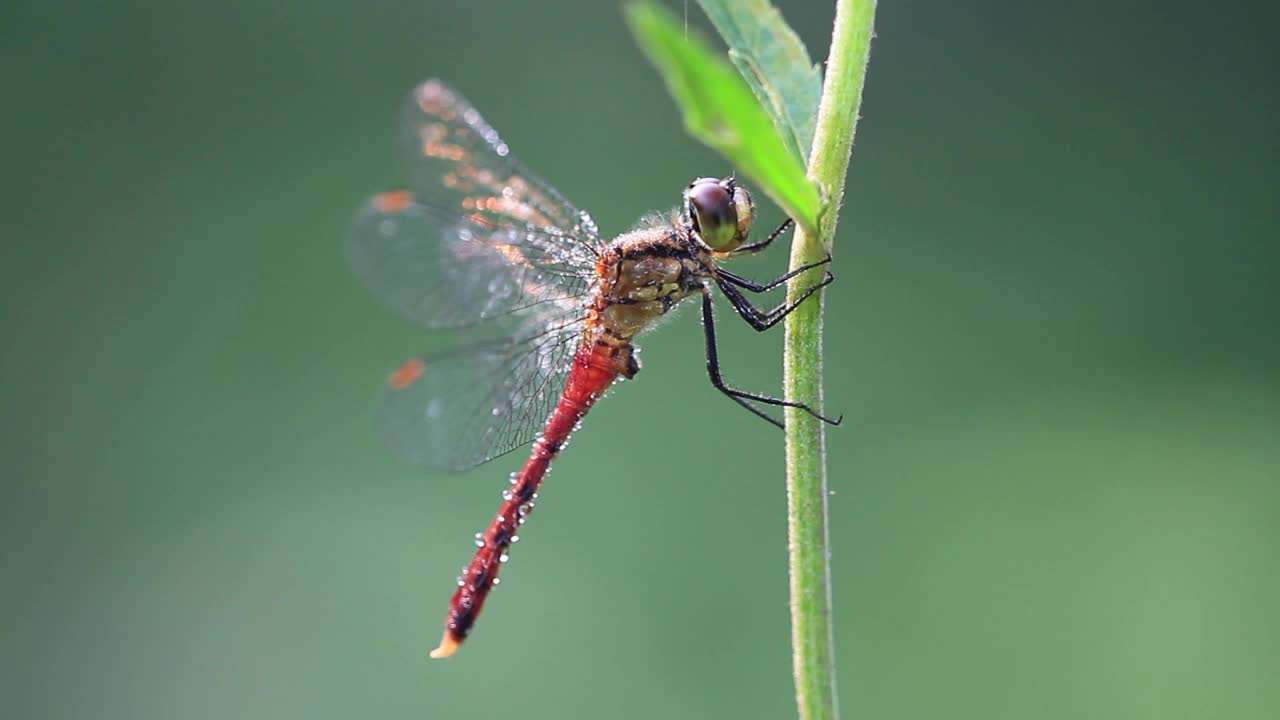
x=407 y=374
x=396 y=201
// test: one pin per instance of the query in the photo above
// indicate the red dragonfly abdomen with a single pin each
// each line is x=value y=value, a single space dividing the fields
x=596 y=365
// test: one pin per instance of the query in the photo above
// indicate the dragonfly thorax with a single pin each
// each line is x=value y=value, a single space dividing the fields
x=644 y=274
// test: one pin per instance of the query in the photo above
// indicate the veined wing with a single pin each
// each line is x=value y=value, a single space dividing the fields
x=459 y=409
x=476 y=236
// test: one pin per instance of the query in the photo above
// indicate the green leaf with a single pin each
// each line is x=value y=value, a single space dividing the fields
x=720 y=110
x=774 y=62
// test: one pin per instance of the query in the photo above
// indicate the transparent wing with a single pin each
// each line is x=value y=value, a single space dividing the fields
x=460 y=409
x=476 y=236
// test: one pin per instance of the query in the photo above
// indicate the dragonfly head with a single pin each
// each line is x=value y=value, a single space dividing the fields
x=720 y=212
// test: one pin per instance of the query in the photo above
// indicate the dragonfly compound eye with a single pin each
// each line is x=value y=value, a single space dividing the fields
x=713 y=212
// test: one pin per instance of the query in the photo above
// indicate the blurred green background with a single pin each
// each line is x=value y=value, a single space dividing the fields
x=1053 y=335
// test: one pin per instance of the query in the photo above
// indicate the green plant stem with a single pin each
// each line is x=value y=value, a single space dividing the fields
x=812 y=626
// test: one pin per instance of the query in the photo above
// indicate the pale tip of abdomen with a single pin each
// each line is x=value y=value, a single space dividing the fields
x=447 y=646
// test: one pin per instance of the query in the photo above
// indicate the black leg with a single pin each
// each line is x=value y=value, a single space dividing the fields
x=762 y=320
x=743 y=397
x=756 y=287
x=757 y=247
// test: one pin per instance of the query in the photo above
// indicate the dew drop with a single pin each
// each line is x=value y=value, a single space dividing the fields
x=507 y=495
x=461 y=582
x=504 y=557
x=515 y=538
x=496 y=581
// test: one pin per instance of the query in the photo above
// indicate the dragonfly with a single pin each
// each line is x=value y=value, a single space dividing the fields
x=478 y=242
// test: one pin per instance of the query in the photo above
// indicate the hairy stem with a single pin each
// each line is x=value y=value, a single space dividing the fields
x=812 y=634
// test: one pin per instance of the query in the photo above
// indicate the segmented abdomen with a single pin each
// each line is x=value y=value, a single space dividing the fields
x=596 y=366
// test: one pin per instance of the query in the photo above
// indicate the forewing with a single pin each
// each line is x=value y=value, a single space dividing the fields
x=446 y=270
x=457 y=410
x=476 y=236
